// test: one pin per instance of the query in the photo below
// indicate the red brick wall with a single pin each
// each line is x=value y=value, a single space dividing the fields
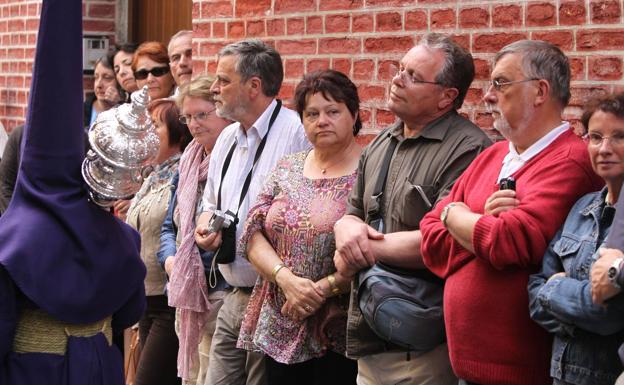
x=19 y=22
x=359 y=37
x=363 y=37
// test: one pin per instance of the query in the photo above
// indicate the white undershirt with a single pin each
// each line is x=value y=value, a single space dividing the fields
x=514 y=161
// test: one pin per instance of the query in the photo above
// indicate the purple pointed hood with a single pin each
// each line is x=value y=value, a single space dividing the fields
x=67 y=255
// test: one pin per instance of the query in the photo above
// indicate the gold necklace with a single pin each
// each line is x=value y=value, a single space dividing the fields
x=324 y=169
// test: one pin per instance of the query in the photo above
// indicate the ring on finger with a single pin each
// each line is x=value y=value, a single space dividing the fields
x=308 y=308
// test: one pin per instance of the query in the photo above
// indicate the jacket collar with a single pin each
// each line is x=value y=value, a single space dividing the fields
x=596 y=205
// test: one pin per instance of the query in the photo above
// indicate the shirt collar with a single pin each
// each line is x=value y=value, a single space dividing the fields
x=260 y=126
x=536 y=147
x=435 y=129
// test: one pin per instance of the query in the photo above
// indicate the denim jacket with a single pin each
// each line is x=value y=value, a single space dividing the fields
x=168 y=242
x=586 y=335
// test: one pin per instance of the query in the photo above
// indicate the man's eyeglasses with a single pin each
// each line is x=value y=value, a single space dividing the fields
x=596 y=139
x=500 y=84
x=411 y=79
x=156 y=71
x=199 y=117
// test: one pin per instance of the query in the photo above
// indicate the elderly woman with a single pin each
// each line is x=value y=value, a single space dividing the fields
x=150 y=67
x=106 y=91
x=192 y=290
x=159 y=342
x=295 y=314
x=122 y=65
x=586 y=335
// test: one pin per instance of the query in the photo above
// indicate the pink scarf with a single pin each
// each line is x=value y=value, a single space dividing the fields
x=188 y=291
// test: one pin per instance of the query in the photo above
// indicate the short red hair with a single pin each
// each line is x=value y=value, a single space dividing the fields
x=154 y=50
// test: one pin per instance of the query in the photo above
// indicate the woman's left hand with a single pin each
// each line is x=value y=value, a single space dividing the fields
x=303 y=296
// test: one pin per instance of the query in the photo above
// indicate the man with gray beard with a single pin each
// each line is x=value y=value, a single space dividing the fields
x=248 y=77
x=492 y=230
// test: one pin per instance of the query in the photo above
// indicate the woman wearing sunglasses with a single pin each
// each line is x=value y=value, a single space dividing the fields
x=151 y=67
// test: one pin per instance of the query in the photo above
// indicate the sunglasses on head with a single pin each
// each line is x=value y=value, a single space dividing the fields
x=156 y=71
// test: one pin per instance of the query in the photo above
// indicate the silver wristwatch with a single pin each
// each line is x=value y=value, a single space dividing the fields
x=614 y=271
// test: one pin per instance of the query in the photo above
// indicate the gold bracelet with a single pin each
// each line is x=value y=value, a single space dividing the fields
x=332 y=284
x=276 y=270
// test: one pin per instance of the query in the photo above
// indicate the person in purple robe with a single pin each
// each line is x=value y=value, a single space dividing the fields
x=70 y=272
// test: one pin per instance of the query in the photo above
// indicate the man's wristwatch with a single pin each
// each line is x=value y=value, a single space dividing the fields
x=445 y=211
x=614 y=271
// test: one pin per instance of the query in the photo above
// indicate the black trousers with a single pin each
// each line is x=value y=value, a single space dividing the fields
x=330 y=369
x=159 y=344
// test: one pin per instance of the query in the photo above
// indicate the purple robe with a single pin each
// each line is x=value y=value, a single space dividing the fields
x=59 y=252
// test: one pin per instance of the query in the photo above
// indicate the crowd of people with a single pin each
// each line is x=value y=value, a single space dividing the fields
x=262 y=227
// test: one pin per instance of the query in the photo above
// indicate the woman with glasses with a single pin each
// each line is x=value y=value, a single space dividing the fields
x=586 y=335
x=159 y=343
x=150 y=67
x=193 y=290
x=296 y=315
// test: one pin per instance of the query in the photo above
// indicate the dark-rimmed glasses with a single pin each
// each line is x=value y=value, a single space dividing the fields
x=156 y=71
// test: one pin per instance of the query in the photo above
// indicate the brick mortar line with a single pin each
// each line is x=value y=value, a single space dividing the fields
x=457 y=6
x=365 y=10
x=406 y=33
x=391 y=55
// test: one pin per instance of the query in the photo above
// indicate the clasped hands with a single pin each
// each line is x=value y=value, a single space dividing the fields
x=303 y=296
x=354 y=249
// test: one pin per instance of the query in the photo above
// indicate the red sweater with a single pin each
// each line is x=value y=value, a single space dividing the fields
x=491 y=338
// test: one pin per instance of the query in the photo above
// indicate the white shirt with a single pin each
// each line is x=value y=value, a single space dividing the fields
x=286 y=137
x=513 y=161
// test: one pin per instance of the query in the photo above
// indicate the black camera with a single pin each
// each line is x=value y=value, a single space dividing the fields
x=226 y=223
x=507 y=184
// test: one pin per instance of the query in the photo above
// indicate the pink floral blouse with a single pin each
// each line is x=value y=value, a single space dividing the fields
x=297 y=215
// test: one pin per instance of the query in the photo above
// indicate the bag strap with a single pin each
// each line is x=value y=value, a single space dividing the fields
x=228 y=159
x=380 y=185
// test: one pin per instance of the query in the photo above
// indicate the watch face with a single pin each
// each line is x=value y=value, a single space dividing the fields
x=612 y=272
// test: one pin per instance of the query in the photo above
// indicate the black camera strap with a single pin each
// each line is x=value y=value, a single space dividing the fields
x=375 y=212
x=228 y=159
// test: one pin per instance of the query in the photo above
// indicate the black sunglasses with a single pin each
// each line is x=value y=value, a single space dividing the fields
x=156 y=71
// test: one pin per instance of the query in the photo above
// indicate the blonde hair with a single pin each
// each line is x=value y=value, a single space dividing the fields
x=197 y=88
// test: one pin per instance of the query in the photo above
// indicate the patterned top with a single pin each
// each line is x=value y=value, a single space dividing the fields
x=297 y=215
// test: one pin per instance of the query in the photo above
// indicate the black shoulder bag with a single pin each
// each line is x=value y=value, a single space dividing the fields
x=403 y=307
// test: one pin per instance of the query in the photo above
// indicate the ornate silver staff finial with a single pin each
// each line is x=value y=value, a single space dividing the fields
x=124 y=143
